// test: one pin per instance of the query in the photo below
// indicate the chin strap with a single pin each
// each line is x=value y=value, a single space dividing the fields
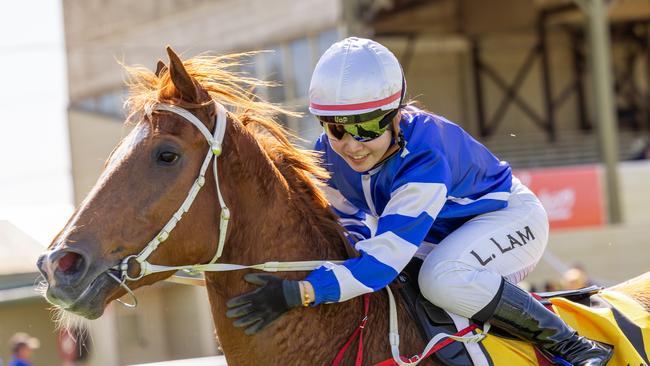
x=398 y=143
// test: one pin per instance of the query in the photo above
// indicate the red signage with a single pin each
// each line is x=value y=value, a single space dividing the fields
x=572 y=196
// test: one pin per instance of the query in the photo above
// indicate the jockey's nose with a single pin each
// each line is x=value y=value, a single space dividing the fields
x=63 y=267
x=350 y=144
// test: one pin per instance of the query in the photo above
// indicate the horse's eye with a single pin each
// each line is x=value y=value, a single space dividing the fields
x=167 y=157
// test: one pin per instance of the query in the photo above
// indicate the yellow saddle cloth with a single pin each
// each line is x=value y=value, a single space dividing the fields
x=616 y=319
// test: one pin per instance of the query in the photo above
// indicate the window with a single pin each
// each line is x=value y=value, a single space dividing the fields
x=326 y=39
x=301 y=67
x=247 y=66
x=273 y=71
x=307 y=128
x=110 y=103
x=290 y=64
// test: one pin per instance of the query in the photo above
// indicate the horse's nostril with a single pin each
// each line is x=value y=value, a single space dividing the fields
x=70 y=263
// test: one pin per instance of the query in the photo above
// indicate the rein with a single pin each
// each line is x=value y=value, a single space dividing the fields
x=215 y=140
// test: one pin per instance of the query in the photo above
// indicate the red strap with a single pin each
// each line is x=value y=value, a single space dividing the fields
x=541 y=359
x=391 y=362
x=539 y=298
x=440 y=345
x=357 y=106
x=357 y=332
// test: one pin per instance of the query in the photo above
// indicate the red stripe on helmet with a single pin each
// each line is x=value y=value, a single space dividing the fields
x=357 y=106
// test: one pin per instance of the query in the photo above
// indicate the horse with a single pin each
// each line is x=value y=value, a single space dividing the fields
x=263 y=203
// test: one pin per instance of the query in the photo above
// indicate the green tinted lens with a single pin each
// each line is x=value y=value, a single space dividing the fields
x=334 y=130
x=364 y=131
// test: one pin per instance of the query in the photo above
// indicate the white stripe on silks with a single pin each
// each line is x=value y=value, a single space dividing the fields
x=366 y=182
x=350 y=286
x=348 y=222
x=371 y=223
x=336 y=199
x=499 y=196
x=412 y=199
x=389 y=249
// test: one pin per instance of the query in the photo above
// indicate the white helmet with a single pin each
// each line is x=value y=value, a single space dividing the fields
x=356 y=78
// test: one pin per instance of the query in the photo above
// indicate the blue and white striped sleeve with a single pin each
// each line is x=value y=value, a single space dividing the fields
x=350 y=217
x=418 y=194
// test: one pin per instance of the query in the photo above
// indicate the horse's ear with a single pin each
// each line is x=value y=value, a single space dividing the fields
x=181 y=79
x=160 y=68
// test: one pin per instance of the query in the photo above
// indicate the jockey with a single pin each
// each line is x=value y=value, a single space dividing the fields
x=407 y=183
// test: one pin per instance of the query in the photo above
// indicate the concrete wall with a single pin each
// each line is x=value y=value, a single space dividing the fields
x=97 y=34
x=33 y=317
x=92 y=138
x=171 y=322
x=197 y=335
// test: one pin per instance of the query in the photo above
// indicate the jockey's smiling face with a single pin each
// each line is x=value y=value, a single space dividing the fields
x=361 y=156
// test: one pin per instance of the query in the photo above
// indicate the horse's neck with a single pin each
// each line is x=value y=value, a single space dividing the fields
x=275 y=215
x=273 y=223
x=309 y=336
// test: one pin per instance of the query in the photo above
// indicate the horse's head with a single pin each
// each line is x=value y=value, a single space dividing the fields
x=145 y=181
x=121 y=238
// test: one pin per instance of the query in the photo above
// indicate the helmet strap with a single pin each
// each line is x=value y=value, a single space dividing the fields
x=397 y=143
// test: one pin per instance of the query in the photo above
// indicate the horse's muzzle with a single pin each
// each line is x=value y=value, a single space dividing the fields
x=64 y=267
x=75 y=280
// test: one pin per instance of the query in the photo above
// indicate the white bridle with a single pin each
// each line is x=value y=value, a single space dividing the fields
x=214 y=141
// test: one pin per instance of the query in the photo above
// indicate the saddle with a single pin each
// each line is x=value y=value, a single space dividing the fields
x=432 y=320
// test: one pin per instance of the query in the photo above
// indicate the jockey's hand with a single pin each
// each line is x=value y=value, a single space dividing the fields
x=259 y=308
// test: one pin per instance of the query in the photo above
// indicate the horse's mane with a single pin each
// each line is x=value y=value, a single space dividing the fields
x=234 y=90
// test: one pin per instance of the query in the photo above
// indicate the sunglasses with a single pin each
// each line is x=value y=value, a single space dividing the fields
x=362 y=131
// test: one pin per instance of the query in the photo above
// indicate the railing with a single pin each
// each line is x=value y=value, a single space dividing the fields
x=570 y=148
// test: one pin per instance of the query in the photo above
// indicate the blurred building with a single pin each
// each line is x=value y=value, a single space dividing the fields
x=22 y=308
x=512 y=72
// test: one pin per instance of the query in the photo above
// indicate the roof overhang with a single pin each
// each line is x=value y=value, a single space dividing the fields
x=480 y=17
x=19 y=286
x=18 y=294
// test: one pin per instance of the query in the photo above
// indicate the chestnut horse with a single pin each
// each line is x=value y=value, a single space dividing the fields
x=271 y=188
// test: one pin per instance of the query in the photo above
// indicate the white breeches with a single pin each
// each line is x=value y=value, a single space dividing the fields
x=462 y=274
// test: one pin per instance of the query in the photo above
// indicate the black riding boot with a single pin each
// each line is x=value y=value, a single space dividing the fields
x=520 y=314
